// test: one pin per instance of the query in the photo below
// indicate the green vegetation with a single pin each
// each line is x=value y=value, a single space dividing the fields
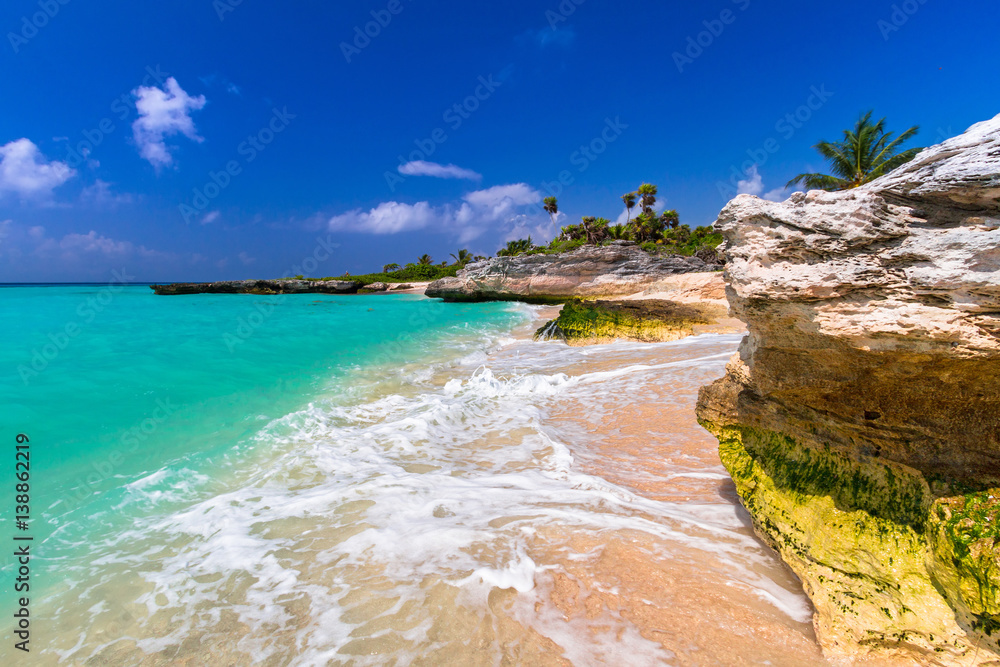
x=654 y=232
x=585 y=322
x=866 y=153
x=515 y=248
x=462 y=258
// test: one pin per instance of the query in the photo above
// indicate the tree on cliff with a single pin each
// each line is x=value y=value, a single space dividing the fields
x=866 y=153
x=629 y=200
x=389 y=268
x=425 y=260
x=647 y=197
x=551 y=206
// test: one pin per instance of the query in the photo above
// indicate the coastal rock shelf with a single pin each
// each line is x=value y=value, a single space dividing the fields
x=860 y=420
x=591 y=271
x=650 y=321
x=290 y=286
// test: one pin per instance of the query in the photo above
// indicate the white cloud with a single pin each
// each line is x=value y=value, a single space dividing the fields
x=163 y=113
x=386 y=218
x=26 y=172
x=754 y=185
x=246 y=259
x=210 y=217
x=435 y=170
x=517 y=194
x=93 y=242
x=77 y=249
x=496 y=207
x=100 y=193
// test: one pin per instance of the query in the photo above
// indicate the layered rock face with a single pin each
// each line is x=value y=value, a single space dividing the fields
x=289 y=286
x=860 y=419
x=614 y=270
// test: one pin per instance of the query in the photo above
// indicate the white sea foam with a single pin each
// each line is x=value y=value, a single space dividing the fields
x=453 y=483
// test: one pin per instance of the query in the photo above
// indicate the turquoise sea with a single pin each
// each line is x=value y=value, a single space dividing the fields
x=369 y=480
x=113 y=384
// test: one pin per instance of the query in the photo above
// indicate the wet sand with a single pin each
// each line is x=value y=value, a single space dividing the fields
x=539 y=505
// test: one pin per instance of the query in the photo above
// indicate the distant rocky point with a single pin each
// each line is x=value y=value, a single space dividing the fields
x=285 y=286
x=618 y=269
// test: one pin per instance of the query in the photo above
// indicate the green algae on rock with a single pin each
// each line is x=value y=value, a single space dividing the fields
x=863 y=559
x=592 y=322
x=860 y=419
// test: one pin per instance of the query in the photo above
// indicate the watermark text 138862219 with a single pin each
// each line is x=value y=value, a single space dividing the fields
x=22 y=541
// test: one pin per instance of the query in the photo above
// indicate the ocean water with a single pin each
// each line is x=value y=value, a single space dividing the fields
x=317 y=480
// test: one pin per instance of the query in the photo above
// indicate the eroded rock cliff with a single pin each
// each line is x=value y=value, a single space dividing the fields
x=591 y=271
x=860 y=419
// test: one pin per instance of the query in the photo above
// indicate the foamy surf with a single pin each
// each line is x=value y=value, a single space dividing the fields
x=468 y=516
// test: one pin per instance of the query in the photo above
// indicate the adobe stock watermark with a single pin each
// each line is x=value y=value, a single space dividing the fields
x=86 y=312
x=262 y=311
x=901 y=13
x=363 y=35
x=786 y=127
x=223 y=7
x=30 y=26
x=454 y=117
x=562 y=13
x=248 y=150
x=698 y=44
x=587 y=154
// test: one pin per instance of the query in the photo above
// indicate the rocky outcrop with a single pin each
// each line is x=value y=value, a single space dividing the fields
x=591 y=271
x=290 y=286
x=649 y=321
x=860 y=419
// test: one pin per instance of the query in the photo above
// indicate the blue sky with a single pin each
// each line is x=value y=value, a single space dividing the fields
x=235 y=139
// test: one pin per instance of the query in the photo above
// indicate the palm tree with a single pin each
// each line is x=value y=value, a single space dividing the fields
x=670 y=219
x=629 y=200
x=425 y=260
x=551 y=206
x=866 y=153
x=647 y=197
x=618 y=233
x=389 y=268
x=572 y=233
x=515 y=248
x=595 y=229
x=463 y=257
x=647 y=227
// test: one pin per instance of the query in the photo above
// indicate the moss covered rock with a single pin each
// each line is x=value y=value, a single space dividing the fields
x=590 y=322
x=860 y=536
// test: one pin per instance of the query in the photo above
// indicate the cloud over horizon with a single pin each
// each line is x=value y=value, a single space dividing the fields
x=163 y=112
x=479 y=210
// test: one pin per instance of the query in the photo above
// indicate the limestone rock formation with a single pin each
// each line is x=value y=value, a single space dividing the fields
x=860 y=419
x=591 y=271
x=284 y=286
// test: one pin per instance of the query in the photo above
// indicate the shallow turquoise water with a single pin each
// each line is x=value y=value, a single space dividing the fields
x=113 y=384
